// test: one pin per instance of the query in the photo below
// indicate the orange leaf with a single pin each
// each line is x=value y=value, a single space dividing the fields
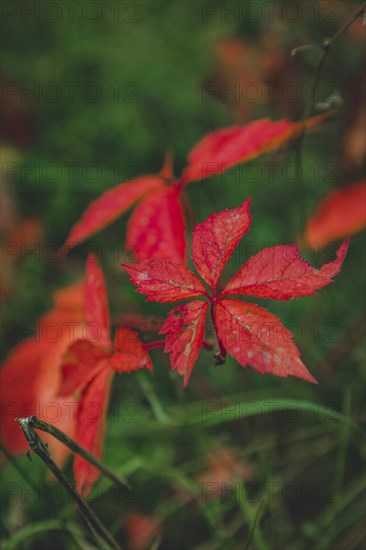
x=340 y=214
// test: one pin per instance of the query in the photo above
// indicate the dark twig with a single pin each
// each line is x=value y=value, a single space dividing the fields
x=34 y=422
x=37 y=445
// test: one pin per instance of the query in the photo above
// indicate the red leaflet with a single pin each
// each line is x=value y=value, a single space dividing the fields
x=226 y=147
x=257 y=338
x=250 y=333
x=281 y=274
x=30 y=376
x=112 y=204
x=184 y=336
x=80 y=363
x=164 y=281
x=96 y=303
x=340 y=214
x=90 y=428
x=157 y=227
x=89 y=367
x=215 y=240
x=130 y=353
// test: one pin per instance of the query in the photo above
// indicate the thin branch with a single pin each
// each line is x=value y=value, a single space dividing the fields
x=325 y=46
x=34 y=422
x=37 y=445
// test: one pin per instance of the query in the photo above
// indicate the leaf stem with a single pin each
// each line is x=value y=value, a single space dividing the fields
x=38 y=446
x=153 y=345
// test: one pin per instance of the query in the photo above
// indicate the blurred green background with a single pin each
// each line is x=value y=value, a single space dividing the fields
x=116 y=85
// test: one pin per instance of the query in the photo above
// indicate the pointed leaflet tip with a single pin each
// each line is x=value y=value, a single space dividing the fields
x=215 y=239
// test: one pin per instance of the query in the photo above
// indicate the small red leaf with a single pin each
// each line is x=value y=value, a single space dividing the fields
x=280 y=273
x=164 y=281
x=215 y=239
x=110 y=206
x=255 y=337
x=80 y=363
x=90 y=430
x=156 y=228
x=96 y=302
x=130 y=352
x=184 y=329
x=226 y=147
x=340 y=214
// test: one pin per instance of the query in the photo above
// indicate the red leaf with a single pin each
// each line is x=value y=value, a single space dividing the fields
x=96 y=302
x=141 y=530
x=215 y=239
x=340 y=214
x=156 y=228
x=91 y=427
x=280 y=273
x=164 y=281
x=184 y=329
x=131 y=354
x=30 y=376
x=110 y=206
x=80 y=363
x=221 y=149
x=255 y=337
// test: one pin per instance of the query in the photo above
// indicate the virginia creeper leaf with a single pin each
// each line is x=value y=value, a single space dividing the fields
x=339 y=214
x=156 y=228
x=255 y=337
x=96 y=302
x=80 y=364
x=90 y=430
x=184 y=330
x=215 y=239
x=109 y=206
x=30 y=376
x=280 y=273
x=164 y=281
x=130 y=353
x=224 y=148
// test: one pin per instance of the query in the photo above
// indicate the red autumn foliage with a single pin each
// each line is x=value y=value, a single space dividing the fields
x=339 y=214
x=141 y=530
x=30 y=377
x=251 y=334
x=157 y=227
x=88 y=368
